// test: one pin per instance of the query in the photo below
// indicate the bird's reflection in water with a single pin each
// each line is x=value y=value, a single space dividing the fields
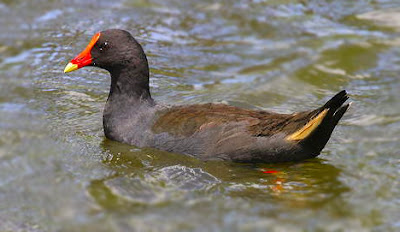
x=310 y=183
x=144 y=177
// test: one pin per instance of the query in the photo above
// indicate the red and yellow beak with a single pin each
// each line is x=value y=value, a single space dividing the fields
x=84 y=58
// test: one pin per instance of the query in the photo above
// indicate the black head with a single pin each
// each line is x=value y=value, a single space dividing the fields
x=113 y=50
x=116 y=49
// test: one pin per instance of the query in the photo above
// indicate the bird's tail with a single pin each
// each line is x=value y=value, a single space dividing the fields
x=318 y=130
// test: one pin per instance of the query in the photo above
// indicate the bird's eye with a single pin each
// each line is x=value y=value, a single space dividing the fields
x=103 y=46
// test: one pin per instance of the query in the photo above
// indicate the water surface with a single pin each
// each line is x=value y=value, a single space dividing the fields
x=59 y=173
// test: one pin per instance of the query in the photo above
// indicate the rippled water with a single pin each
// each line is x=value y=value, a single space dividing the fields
x=59 y=173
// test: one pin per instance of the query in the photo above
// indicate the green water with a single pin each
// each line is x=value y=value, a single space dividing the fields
x=59 y=173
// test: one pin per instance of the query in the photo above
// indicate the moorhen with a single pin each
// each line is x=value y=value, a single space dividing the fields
x=206 y=131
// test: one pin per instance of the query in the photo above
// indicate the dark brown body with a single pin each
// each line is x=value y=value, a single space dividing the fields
x=218 y=131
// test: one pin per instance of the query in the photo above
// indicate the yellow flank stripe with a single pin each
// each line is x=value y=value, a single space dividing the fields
x=308 y=128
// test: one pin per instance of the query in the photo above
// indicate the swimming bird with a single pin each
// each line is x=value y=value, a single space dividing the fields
x=206 y=131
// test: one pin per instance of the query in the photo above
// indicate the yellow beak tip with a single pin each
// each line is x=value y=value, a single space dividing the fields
x=70 y=67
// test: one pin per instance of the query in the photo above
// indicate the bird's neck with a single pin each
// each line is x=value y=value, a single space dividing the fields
x=130 y=84
x=129 y=96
